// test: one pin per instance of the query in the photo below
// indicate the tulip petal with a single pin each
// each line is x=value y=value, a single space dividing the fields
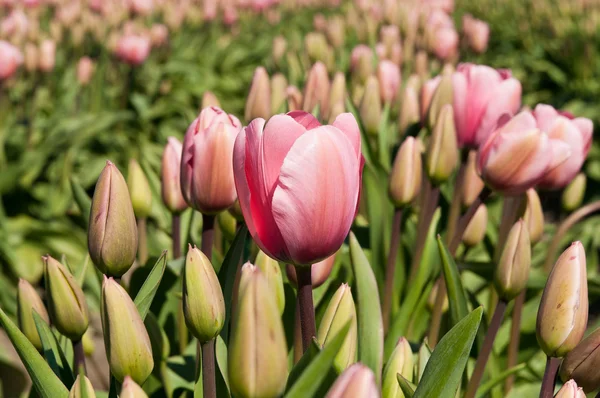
x=305 y=119
x=459 y=91
x=586 y=127
x=545 y=116
x=316 y=195
x=239 y=173
x=506 y=99
x=348 y=125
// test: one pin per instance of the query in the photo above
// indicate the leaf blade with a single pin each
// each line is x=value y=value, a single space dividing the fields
x=143 y=299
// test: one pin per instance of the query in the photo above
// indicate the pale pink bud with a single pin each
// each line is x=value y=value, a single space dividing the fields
x=85 y=69
x=133 y=49
x=47 y=55
x=10 y=59
x=388 y=74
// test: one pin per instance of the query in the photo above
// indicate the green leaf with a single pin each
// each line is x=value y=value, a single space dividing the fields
x=221 y=358
x=383 y=140
x=311 y=370
x=406 y=386
x=370 y=323
x=457 y=299
x=485 y=388
x=422 y=359
x=311 y=353
x=82 y=199
x=444 y=369
x=144 y=297
x=47 y=384
x=55 y=356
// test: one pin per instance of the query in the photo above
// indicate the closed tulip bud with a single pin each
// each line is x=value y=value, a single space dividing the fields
x=139 y=190
x=133 y=49
x=257 y=355
x=47 y=55
x=206 y=163
x=388 y=74
x=421 y=64
x=409 y=108
x=83 y=389
x=319 y=272
x=203 y=302
x=442 y=151
x=272 y=272
x=370 y=106
x=339 y=312
x=477 y=33
x=294 y=98
x=112 y=235
x=170 y=177
x=358 y=381
x=316 y=89
x=475 y=231
x=472 y=184
x=533 y=215
x=400 y=362
x=405 y=178
x=85 y=70
x=210 y=99
x=126 y=340
x=336 y=31
x=337 y=94
x=258 y=103
x=88 y=342
x=278 y=95
x=427 y=91
x=361 y=62
x=335 y=111
x=512 y=271
x=581 y=364
x=563 y=312
x=432 y=298
x=28 y=300
x=316 y=46
x=570 y=390
x=31 y=57
x=573 y=194
x=227 y=224
x=131 y=389
x=279 y=48
x=441 y=97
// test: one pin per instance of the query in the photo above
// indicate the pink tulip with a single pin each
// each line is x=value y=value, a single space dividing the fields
x=427 y=92
x=298 y=184
x=359 y=52
x=388 y=74
x=15 y=24
x=481 y=96
x=445 y=43
x=133 y=49
x=141 y=7
x=85 y=69
x=10 y=59
x=171 y=178
x=518 y=155
x=575 y=132
x=206 y=167
x=210 y=10
x=477 y=33
x=159 y=35
x=47 y=55
x=230 y=16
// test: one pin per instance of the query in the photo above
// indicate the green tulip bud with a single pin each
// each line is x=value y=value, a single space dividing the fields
x=278 y=95
x=258 y=103
x=405 y=178
x=581 y=364
x=66 y=302
x=574 y=192
x=257 y=357
x=28 y=300
x=370 y=106
x=409 y=105
x=512 y=271
x=570 y=390
x=126 y=340
x=533 y=215
x=316 y=46
x=442 y=152
x=433 y=296
x=112 y=235
x=80 y=389
x=337 y=94
x=339 y=312
x=88 y=342
x=563 y=313
x=139 y=190
x=443 y=96
x=358 y=381
x=227 y=224
x=475 y=231
x=400 y=362
x=203 y=302
x=472 y=183
x=316 y=89
x=272 y=272
x=131 y=390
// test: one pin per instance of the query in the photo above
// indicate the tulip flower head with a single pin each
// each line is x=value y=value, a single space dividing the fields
x=582 y=362
x=133 y=49
x=293 y=171
x=570 y=390
x=170 y=176
x=356 y=381
x=85 y=70
x=10 y=59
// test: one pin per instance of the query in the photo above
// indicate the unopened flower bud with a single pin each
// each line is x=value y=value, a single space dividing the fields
x=570 y=390
x=279 y=48
x=388 y=74
x=573 y=194
x=563 y=312
x=66 y=302
x=475 y=231
x=88 y=342
x=294 y=98
x=258 y=103
x=316 y=47
x=581 y=364
x=227 y=224
x=47 y=55
x=512 y=271
x=28 y=300
x=171 y=177
x=272 y=272
x=278 y=95
x=428 y=89
x=370 y=106
x=361 y=62
x=257 y=355
x=405 y=178
x=85 y=70
x=400 y=362
x=81 y=389
x=139 y=190
x=442 y=151
x=533 y=215
x=472 y=184
x=356 y=381
x=339 y=312
x=337 y=94
x=319 y=272
x=336 y=31
x=441 y=97
x=409 y=108
x=421 y=64
x=316 y=89
x=433 y=297
x=210 y=99
x=126 y=340
x=203 y=302
x=131 y=389
x=112 y=234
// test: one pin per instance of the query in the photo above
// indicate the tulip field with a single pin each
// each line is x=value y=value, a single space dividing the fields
x=299 y=198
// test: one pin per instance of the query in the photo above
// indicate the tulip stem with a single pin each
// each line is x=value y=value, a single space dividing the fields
x=436 y=317
x=78 y=356
x=549 y=379
x=208 y=235
x=515 y=335
x=209 y=385
x=176 y=235
x=564 y=227
x=430 y=202
x=486 y=349
x=390 y=269
x=305 y=305
x=142 y=241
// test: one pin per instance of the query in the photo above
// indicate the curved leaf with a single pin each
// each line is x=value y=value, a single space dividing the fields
x=54 y=354
x=406 y=386
x=457 y=299
x=143 y=299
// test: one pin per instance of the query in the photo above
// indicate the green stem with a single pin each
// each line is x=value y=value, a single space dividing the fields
x=515 y=335
x=430 y=202
x=209 y=385
x=306 y=307
x=390 y=270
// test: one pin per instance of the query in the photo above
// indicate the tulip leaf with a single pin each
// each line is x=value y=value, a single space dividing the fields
x=443 y=373
x=422 y=359
x=53 y=352
x=370 y=322
x=221 y=358
x=485 y=388
x=457 y=299
x=82 y=199
x=314 y=366
x=406 y=386
x=227 y=274
x=383 y=138
x=144 y=297
x=47 y=384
